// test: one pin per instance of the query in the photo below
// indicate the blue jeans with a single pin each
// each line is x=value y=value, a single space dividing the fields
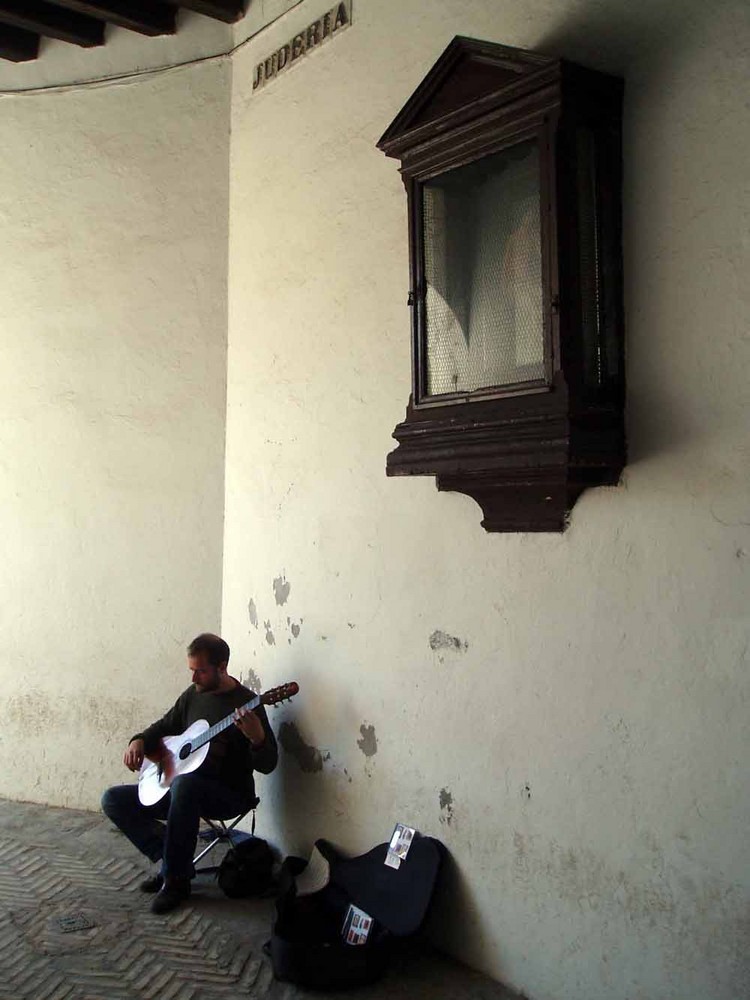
x=190 y=797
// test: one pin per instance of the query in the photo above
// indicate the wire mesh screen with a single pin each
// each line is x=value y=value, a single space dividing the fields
x=483 y=273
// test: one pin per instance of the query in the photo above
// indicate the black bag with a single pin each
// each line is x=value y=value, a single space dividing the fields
x=307 y=946
x=247 y=869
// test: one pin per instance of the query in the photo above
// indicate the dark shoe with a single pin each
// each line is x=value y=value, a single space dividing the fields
x=171 y=894
x=152 y=884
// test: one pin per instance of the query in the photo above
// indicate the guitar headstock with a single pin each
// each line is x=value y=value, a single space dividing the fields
x=284 y=692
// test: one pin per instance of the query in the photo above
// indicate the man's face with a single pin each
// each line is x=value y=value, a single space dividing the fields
x=206 y=677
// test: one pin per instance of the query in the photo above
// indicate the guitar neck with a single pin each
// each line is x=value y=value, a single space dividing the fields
x=221 y=726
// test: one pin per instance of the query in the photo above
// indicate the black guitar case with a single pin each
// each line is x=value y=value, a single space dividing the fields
x=307 y=946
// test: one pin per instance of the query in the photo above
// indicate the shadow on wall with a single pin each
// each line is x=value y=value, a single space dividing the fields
x=609 y=37
x=453 y=921
x=305 y=794
x=313 y=790
x=640 y=43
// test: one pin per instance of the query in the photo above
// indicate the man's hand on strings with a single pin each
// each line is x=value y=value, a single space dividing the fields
x=250 y=726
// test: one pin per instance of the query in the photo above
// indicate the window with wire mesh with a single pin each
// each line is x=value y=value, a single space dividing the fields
x=484 y=324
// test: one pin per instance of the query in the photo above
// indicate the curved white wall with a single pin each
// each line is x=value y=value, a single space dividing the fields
x=581 y=751
x=113 y=262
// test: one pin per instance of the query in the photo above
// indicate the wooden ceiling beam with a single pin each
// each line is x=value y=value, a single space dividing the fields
x=148 y=17
x=18 y=45
x=222 y=10
x=45 y=19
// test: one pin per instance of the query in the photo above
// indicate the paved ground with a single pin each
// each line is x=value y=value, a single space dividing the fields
x=61 y=864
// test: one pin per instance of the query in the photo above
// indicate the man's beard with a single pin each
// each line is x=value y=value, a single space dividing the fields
x=207 y=686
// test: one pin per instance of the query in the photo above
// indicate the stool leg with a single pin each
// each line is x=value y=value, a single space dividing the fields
x=223 y=832
x=206 y=849
x=220 y=829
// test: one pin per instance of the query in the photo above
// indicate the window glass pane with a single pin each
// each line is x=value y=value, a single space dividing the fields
x=483 y=271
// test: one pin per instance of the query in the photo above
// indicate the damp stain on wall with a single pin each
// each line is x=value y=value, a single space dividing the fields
x=295 y=628
x=368 y=743
x=270 y=639
x=281 y=588
x=445 y=799
x=252 y=613
x=649 y=892
x=441 y=640
x=252 y=680
x=308 y=757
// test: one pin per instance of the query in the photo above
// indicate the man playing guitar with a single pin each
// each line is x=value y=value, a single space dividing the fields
x=221 y=788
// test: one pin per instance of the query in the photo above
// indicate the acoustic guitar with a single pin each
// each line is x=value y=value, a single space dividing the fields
x=190 y=748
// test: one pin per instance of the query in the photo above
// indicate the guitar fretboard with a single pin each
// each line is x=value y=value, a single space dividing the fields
x=220 y=726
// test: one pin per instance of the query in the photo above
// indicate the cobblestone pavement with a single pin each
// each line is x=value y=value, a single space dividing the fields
x=73 y=926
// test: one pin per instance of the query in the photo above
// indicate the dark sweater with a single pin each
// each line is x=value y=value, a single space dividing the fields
x=231 y=760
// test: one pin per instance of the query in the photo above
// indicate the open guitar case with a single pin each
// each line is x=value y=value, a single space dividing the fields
x=307 y=946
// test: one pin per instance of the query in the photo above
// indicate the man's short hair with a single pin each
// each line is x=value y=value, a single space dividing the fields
x=213 y=646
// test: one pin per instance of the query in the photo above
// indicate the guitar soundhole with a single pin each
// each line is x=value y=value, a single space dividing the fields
x=185 y=751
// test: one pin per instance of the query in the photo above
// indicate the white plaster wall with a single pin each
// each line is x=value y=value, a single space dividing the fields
x=113 y=257
x=582 y=752
x=259 y=14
